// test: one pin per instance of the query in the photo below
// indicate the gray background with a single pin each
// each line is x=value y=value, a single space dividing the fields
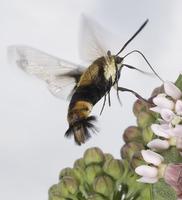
x=32 y=144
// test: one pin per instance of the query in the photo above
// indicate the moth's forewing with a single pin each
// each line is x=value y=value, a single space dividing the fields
x=54 y=71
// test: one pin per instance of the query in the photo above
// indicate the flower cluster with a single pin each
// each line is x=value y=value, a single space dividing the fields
x=169 y=126
x=167 y=131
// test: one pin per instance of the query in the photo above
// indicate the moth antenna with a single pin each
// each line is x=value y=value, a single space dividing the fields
x=139 y=52
x=136 y=33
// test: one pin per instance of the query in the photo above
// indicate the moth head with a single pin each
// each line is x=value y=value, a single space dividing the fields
x=118 y=61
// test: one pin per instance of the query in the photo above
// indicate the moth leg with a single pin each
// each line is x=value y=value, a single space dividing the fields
x=116 y=85
x=108 y=93
x=104 y=103
x=122 y=89
x=109 y=98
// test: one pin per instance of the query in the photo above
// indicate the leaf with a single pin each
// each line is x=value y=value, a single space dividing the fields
x=178 y=82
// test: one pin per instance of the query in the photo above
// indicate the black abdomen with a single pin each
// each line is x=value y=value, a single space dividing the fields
x=91 y=93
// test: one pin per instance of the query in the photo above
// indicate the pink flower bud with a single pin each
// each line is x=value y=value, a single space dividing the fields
x=152 y=157
x=158 y=144
x=171 y=90
x=173 y=176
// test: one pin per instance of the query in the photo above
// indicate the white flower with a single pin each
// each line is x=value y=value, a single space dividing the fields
x=174 y=138
x=150 y=174
x=172 y=91
x=169 y=128
x=170 y=110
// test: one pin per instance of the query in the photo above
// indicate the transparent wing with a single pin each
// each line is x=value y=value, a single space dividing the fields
x=91 y=45
x=60 y=75
x=95 y=40
x=39 y=63
x=62 y=87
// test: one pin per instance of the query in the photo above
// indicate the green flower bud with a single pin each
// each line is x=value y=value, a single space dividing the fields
x=92 y=171
x=139 y=106
x=145 y=119
x=132 y=133
x=104 y=185
x=79 y=174
x=137 y=160
x=93 y=155
x=66 y=172
x=68 y=186
x=79 y=163
x=54 y=192
x=114 y=168
x=128 y=150
x=147 y=135
x=96 y=197
x=108 y=156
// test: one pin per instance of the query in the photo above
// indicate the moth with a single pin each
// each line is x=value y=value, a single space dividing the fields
x=84 y=86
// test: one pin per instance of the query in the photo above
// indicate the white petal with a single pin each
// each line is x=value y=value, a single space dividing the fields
x=147 y=171
x=171 y=90
x=147 y=180
x=178 y=107
x=152 y=157
x=163 y=102
x=159 y=130
x=156 y=109
x=177 y=131
x=167 y=114
x=158 y=144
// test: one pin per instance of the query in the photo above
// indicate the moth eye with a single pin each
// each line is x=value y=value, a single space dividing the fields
x=118 y=60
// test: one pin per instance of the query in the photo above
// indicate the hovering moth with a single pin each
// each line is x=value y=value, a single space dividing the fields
x=84 y=86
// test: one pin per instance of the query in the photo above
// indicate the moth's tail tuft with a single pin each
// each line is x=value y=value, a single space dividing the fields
x=81 y=129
